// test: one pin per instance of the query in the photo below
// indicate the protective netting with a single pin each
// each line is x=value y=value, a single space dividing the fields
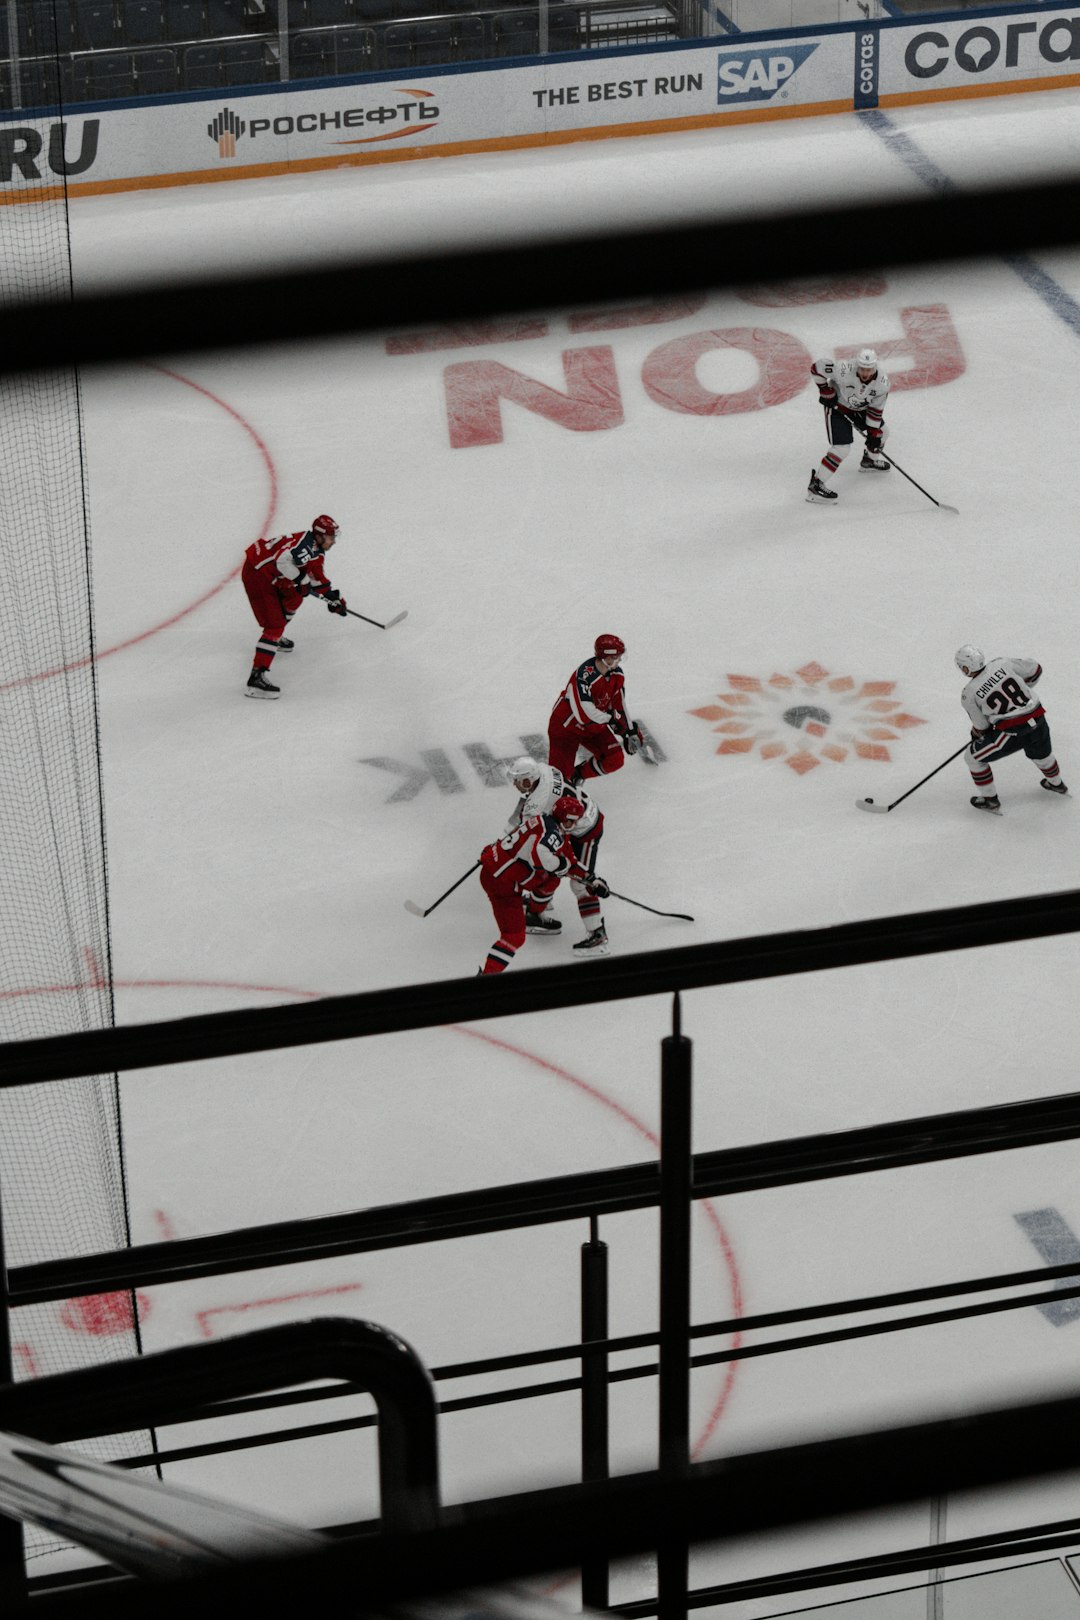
x=62 y=1190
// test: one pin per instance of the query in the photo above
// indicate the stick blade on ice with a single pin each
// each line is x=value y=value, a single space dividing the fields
x=390 y=623
x=411 y=905
x=868 y=804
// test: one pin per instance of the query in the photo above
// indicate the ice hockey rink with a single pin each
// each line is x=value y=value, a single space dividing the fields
x=788 y=658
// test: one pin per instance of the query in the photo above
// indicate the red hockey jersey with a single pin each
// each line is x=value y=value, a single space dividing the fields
x=591 y=699
x=297 y=558
x=538 y=847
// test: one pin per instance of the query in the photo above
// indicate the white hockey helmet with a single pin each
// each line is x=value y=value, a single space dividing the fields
x=523 y=769
x=866 y=360
x=969 y=659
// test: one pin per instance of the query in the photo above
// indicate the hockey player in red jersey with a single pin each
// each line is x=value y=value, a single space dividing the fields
x=540 y=787
x=277 y=575
x=520 y=873
x=591 y=714
x=1005 y=716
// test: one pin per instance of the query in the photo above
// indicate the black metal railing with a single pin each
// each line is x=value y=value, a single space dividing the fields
x=600 y=1519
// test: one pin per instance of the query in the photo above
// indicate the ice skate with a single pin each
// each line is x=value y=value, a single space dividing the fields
x=816 y=490
x=259 y=687
x=594 y=944
x=285 y=644
x=1053 y=787
x=872 y=463
x=990 y=802
x=537 y=922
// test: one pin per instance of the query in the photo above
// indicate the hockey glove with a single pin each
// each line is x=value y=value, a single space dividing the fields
x=335 y=602
x=631 y=740
x=874 y=441
x=827 y=397
x=596 y=886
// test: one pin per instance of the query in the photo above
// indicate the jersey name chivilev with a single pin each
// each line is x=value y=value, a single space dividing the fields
x=1000 y=695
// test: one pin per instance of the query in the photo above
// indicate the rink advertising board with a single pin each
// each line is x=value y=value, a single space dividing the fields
x=269 y=129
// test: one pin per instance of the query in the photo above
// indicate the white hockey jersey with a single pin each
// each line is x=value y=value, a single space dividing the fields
x=1000 y=694
x=551 y=786
x=842 y=376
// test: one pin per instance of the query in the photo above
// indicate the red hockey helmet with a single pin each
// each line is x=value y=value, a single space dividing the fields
x=567 y=809
x=609 y=647
x=325 y=528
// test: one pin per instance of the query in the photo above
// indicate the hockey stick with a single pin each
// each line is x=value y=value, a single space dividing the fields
x=411 y=905
x=883 y=809
x=941 y=505
x=683 y=916
x=389 y=625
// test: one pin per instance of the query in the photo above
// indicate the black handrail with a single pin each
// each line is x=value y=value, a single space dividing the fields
x=507 y=1538
x=163 y=1386
x=720 y=1174
x=648 y=973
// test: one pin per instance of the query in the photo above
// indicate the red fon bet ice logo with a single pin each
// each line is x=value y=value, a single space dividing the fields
x=807 y=717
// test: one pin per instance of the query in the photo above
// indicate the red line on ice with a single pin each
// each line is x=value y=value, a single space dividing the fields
x=588 y=1090
x=200 y=601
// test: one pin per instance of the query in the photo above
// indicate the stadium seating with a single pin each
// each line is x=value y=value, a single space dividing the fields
x=202 y=67
x=427 y=44
x=155 y=72
x=516 y=34
x=470 y=39
x=330 y=13
x=143 y=22
x=185 y=19
x=43 y=81
x=118 y=48
x=310 y=56
x=110 y=75
x=53 y=25
x=564 y=31
x=96 y=25
x=226 y=17
x=353 y=50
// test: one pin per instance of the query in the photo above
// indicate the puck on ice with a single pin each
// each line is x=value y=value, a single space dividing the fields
x=869 y=801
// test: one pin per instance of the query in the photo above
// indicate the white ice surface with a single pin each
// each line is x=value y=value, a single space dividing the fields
x=254 y=857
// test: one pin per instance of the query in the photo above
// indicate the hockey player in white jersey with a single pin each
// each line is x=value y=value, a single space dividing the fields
x=1005 y=716
x=540 y=786
x=853 y=393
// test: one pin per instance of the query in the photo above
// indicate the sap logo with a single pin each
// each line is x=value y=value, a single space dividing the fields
x=758 y=77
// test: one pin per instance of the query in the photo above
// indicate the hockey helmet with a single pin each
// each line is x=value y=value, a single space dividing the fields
x=866 y=360
x=523 y=769
x=325 y=527
x=969 y=659
x=609 y=647
x=567 y=809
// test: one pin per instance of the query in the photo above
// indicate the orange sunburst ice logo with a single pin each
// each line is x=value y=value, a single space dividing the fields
x=807 y=717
